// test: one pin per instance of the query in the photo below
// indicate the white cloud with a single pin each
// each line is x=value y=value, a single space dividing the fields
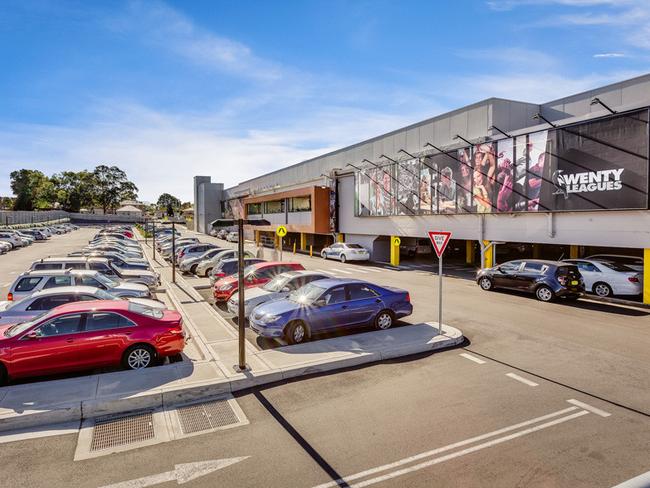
x=609 y=55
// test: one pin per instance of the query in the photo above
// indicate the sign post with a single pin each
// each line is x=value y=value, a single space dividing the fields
x=439 y=239
x=281 y=231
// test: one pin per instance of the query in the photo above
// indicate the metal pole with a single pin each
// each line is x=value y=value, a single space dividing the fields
x=145 y=232
x=173 y=252
x=154 y=240
x=241 y=321
x=280 y=248
x=440 y=295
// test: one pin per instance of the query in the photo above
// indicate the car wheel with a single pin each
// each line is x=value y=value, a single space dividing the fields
x=343 y=258
x=603 y=290
x=384 y=320
x=323 y=255
x=139 y=356
x=486 y=283
x=207 y=272
x=4 y=377
x=296 y=332
x=193 y=268
x=544 y=294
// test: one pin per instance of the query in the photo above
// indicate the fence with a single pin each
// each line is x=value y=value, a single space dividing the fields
x=13 y=217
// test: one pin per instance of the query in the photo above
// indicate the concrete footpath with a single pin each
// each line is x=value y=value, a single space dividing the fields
x=210 y=372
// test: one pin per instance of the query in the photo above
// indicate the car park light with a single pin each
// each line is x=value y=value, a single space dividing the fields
x=408 y=297
x=225 y=287
x=10 y=297
x=269 y=318
x=633 y=279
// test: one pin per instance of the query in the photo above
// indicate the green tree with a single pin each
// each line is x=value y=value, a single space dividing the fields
x=169 y=202
x=74 y=190
x=32 y=189
x=7 y=203
x=112 y=186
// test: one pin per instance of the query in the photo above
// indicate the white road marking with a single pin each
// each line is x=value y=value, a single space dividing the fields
x=182 y=473
x=35 y=433
x=522 y=379
x=595 y=410
x=357 y=270
x=469 y=450
x=325 y=271
x=374 y=270
x=339 y=270
x=472 y=358
x=449 y=447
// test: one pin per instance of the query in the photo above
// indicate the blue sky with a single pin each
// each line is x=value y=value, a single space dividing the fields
x=167 y=90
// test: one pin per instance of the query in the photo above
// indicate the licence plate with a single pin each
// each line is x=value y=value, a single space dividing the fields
x=574 y=282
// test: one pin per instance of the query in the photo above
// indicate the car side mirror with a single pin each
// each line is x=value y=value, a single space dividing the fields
x=500 y=270
x=32 y=335
x=320 y=302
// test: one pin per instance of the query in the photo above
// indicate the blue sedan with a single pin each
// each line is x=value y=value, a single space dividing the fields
x=327 y=305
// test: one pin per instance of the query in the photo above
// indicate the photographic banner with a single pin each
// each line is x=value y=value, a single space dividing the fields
x=597 y=165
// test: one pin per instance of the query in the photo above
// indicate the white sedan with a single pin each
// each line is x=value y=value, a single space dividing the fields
x=346 y=252
x=607 y=278
x=279 y=287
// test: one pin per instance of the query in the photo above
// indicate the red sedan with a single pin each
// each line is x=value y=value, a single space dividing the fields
x=87 y=335
x=254 y=275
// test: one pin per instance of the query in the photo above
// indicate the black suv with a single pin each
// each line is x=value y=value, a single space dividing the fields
x=546 y=279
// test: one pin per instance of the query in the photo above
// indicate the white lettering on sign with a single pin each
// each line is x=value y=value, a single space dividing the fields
x=586 y=182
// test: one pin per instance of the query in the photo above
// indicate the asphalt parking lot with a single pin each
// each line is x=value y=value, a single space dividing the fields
x=539 y=395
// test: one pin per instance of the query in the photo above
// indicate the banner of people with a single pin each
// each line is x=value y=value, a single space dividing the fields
x=595 y=165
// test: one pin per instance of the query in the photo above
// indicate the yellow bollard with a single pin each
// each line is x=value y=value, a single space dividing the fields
x=394 y=250
x=311 y=250
x=294 y=247
x=469 y=252
x=488 y=256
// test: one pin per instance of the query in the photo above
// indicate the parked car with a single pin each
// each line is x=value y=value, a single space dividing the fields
x=346 y=252
x=128 y=253
x=232 y=237
x=44 y=300
x=33 y=281
x=189 y=264
x=166 y=249
x=227 y=267
x=279 y=287
x=194 y=251
x=37 y=235
x=546 y=279
x=117 y=258
x=87 y=335
x=205 y=267
x=5 y=247
x=634 y=262
x=327 y=305
x=254 y=275
x=13 y=239
x=222 y=234
x=605 y=278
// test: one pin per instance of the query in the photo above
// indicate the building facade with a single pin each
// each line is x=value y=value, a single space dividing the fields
x=564 y=178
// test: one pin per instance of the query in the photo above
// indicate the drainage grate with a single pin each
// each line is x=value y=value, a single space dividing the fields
x=206 y=416
x=121 y=430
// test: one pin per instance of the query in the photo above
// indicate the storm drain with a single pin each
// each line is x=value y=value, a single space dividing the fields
x=206 y=416
x=115 y=431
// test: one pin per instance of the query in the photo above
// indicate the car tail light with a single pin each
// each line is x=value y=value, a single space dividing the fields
x=633 y=279
x=10 y=297
x=408 y=297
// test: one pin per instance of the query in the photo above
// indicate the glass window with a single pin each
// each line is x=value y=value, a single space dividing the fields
x=300 y=204
x=511 y=266
x=44 y=266
x=85 y=280
x=28 y=284
x=47 y=303
x=534 y=267
x=359 y=292
x=55 y=281
x=101 y=267
x=106 y=320
x=74 y=266
x=67 y=324
x=274 y=206
x=335 y=295
x=254 y=208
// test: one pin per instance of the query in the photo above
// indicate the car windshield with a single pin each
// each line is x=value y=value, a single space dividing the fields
x=354 y=246
x=105 y=280
x=21 y=327
x=104 y=295
x=277 y=283
x=307 y=294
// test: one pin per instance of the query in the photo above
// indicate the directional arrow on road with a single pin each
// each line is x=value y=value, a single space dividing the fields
x=182 y=473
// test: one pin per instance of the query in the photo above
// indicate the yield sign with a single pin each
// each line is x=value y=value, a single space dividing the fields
x=439 y=239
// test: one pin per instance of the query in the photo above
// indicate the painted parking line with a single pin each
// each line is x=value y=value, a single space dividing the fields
x=497 y=436
x=326 y=271
x=356 y=270
x=373 y=270
x=344 y=271
x=472 y=358
x=586 y=406
x=521 y=379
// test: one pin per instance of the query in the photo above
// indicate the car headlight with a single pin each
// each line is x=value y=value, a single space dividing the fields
x=267 y=319
x=225 y=287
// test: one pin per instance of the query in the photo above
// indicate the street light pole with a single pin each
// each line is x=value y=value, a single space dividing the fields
x=154 y=239
x=241 y=320
x=145 y=232
x=173 y=252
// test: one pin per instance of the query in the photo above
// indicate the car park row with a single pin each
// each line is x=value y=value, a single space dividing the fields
x=93 y=309
x=11 y=239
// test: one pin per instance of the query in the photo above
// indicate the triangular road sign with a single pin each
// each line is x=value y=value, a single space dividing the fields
x=439 y=239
